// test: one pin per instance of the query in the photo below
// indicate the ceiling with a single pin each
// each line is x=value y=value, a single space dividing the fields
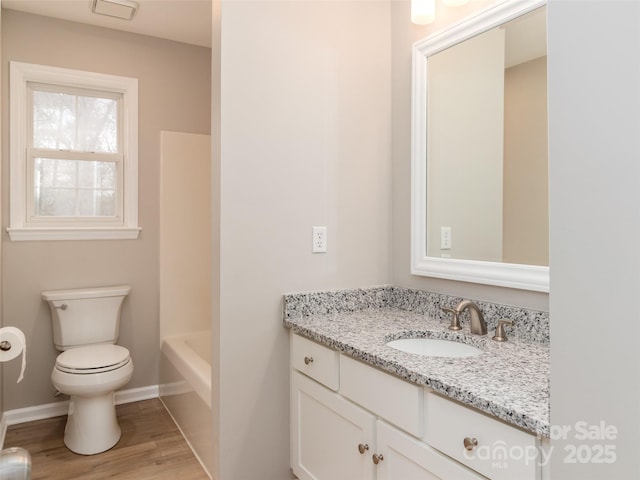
x=526 y=38
x=187 y=21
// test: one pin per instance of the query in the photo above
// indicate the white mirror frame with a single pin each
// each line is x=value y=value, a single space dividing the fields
x=526 y=277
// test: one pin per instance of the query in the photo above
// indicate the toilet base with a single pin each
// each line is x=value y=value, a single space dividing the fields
x=92 y=426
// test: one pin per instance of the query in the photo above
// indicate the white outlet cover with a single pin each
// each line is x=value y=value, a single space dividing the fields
x=319 y=239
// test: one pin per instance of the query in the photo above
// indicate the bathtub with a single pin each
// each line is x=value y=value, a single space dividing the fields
x=185 y=390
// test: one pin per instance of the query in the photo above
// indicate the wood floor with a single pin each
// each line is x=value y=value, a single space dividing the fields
x=151 y=447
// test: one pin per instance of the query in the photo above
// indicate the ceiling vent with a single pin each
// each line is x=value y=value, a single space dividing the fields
x=124 y=9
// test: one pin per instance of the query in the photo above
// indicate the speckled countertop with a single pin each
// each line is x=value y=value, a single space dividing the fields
x=508 y=380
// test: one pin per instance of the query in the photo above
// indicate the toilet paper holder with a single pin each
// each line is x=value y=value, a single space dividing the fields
x=12 y=345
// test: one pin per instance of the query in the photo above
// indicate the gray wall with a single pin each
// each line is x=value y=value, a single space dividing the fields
x=1 y=323
x=305 y=141
x=174 y=89
x=404 y=34
x=594 y=124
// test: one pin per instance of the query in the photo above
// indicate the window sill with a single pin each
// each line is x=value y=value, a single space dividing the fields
x=73 y=233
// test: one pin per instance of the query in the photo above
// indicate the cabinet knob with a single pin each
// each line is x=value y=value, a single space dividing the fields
x=470 y=443
x=377 y=458
x=363 y=448
x=308 y=360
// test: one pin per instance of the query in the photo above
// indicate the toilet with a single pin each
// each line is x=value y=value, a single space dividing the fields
x=91 y=367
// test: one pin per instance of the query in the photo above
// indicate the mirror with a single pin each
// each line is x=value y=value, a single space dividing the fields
x=479 y=152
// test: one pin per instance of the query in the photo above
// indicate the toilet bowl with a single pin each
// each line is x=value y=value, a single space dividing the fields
x=90 y=375
x=91 y=366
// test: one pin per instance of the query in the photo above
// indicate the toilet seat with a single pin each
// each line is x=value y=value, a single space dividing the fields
x=92 y=359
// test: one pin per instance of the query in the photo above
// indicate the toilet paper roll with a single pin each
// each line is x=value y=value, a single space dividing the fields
x=12 y=344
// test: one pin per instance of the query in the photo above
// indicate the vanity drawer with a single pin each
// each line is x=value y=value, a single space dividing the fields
x=389 y=397
x=316 y=361
x=502 y=452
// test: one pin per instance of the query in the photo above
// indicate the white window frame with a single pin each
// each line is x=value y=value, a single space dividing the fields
x=22 y=225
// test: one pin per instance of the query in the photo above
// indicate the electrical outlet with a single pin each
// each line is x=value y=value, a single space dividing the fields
x=445 y=238
x=319 y=240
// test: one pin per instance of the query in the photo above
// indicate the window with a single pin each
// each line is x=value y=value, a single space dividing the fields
x=73 y=155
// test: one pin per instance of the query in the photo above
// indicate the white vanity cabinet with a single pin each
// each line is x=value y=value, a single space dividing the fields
x=371 y=425
x=334 y=439
x=328 y=433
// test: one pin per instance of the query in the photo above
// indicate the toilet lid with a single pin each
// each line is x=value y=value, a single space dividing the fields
x=92 y=359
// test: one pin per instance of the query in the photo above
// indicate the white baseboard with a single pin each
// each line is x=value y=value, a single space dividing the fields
x=57 y=409
x=137 y=394
x=36 y=412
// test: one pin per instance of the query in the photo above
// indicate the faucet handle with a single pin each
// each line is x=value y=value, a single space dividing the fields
x=455 y=320
x=500 y=335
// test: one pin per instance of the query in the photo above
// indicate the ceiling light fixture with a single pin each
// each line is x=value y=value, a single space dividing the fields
x=124 y=9
x=423 y=11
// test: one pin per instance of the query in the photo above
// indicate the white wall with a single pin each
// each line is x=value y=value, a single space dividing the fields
x=185 y=233
x=305 y=141
x=594 y=127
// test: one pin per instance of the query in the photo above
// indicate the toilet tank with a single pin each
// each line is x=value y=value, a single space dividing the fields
x=85 y=316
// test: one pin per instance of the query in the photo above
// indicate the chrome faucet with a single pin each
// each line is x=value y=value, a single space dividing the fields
x=478 y=325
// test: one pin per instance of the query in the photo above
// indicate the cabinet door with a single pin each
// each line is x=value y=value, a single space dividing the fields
x=326 y=432
x=403 y=457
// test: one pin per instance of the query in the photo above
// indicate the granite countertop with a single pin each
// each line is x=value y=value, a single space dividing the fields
x=508 y=380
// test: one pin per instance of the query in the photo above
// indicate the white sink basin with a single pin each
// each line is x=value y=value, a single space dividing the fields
x=434 y=347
